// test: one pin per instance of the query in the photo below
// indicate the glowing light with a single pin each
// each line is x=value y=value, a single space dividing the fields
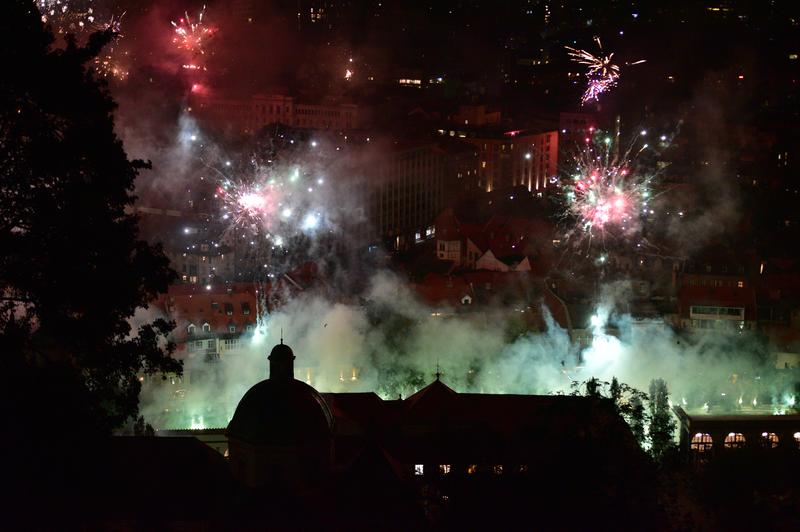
x=602 y=74
x=192 y=37
x=311 y=221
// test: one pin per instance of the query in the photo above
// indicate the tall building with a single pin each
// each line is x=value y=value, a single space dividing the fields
x=516 y=158
x=412 y=184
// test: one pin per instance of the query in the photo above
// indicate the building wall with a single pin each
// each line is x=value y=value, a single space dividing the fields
x=203 y=265
x=248 y=115
x=517 y=159
x=408 y=193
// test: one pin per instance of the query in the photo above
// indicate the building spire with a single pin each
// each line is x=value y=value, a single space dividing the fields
x=438 y=373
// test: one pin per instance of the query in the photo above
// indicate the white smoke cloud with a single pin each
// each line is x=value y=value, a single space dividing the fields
x=396 y=346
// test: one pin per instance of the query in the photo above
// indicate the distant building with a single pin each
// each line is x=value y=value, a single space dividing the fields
x=248 y=115
x=475 y=115
x=501 y=244
x=715 y=292
x=706 y=436
x=412 y=184
x=516 y=158
x=210 y=320
x=204 y=264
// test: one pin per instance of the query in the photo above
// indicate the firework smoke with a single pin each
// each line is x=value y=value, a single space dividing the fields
x=347 y=347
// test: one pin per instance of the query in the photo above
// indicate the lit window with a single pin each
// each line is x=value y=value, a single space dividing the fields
x=419 y=470
x=472 y=469
x=734 y=440
x=740 y=284
x=444 y=469
x=497 y=469
x=701 y=443
x=797 y=438
x=523 y=469
x=769 y=440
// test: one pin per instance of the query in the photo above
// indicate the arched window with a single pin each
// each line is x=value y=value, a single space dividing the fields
x=206 y=327
x=734 y=440
x=701 y=443
x=769 y=440
x=191 y=328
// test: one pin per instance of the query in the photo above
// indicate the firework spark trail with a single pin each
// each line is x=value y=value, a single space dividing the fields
x=605 y=193
x=602 y=73
x=79 y=18
x=68 y=16
x=109 y=63
x=267 y=203
x=192 y=37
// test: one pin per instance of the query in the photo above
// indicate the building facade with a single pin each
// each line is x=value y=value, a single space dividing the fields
x=516 y=158
x=248 y=115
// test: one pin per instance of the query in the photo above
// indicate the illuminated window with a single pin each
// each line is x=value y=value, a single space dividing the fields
x=472 y=469
x=769 y=440
x=444 y=469
x=523 y=469
x=734 y=440
x=797 y=438
x=497 y=469
x=701 y=443
x=419 y=470
x=740 y=284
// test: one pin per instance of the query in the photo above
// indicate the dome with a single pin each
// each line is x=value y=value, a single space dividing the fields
x=283 y=413
x=281 y=350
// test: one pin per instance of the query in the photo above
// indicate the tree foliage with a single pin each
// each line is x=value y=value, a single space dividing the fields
x=662 y=424
x=649 y=416
x=72 y=268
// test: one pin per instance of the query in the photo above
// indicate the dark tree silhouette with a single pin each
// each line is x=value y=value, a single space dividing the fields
x=662 y=424
x=72 y=268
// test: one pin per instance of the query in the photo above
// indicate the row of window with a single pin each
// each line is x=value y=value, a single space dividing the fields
x=702 y=442
x=192 y=329
x=496 y=469
x=717 y=283
x=737 y=312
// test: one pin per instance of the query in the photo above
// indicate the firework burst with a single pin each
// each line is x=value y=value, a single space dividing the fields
x=111 y=62
x=192 y=37
x=602 y=73
x=605 y=194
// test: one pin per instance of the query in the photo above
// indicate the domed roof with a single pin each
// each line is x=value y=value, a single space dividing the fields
x=283 y=350
x=281 y=412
